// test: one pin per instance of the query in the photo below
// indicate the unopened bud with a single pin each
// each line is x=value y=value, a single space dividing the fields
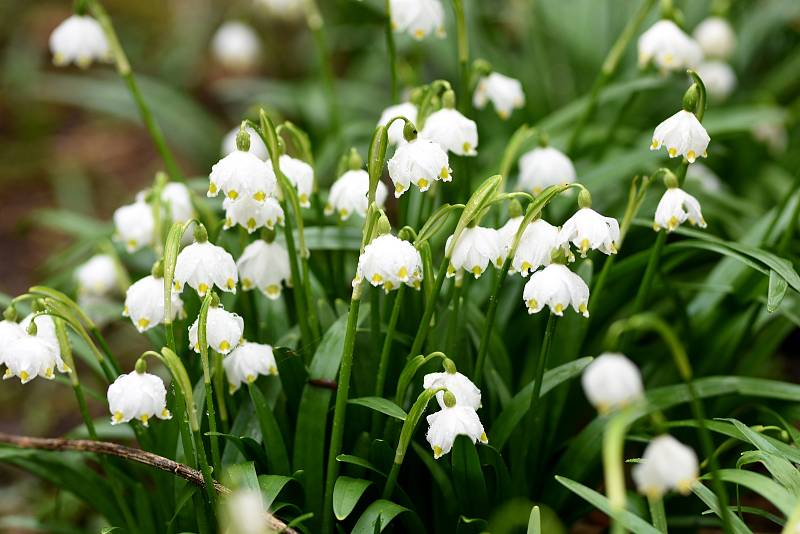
x=584 y=199
x=200 y=233
x=449 y=399
x=409 y=131
x=243 y=138
x=354 y=161
x=141 y=366
x=690 y=98
x=449 y=366
x=515 y=209
x=158 y=269
x=449 y=99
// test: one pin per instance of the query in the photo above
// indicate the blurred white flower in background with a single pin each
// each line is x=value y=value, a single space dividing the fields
x=301 y=175
x=244 y=513
x=715 y=37
x=79 y=39
x=236 y=46
x=98 y=276
x=395 y=133
x=667 y=464
x=224 y=330
x=772 y=134
x=704 y=177
x=348 y=194
x=418 y=18
x=134 y=225
x=137 y=395
x=611 y=381
x=542 y=167
x=144 y=303
x=177 y=202
x=504 y=92
x=719 y=79
x=264 y=266
x=682 y=135
x=668 y=47
x=246 y=362
x=420 y=162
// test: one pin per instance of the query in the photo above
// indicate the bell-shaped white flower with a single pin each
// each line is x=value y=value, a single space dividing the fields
x=98 y=276
x=10 y=331
x=45 y=329
x=708 y=180
x=251 y=214
x=348 y=194
x=247 y=361
x=285 y=9
x=558 y=288
x=675 y=207
x=418 y=17
x=264 y=266
x=223 y=330
x=177 y=202
x=715 y=37
x=241 y=174
x=507 y=233
x=537 y=244
x=450 y=422
x=453 y=131
x=139 y=396
x=420 y=162
x=395 y=133
x=144 y=303
x=203 y=265
x=388 y=262
x=682 y=135
x=236 y=45
x=667 y=465
x=587 y=229
x=504 y=92
x=476 y=248
x=719 y=79
x=542 y=167
x=257 y=146
x=301 y=175
x=668 y=47
x=466 y=393
x=30 y=356
x=611 y=381
x=134 y=225
x=80 y=40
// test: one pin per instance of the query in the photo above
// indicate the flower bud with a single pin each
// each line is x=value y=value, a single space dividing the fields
x=141 y=366
x=10 y=313
x=243 y=138
x=409 y=131
x=268 y=234
x=449 y=99
x=690 y=98
x=449 y=366
x=449 y=399
x=585 y=199
x=383 y=225
x=354 y=161
x=200 y=233
x=515 y=209
x=158 y=269
x=670 y=180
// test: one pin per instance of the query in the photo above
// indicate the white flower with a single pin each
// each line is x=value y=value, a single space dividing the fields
x=242 y=174
x=203 y=265
x=236 y=45
x=395 y=133
x=542 y=167
x=264 y=266
x=506 y=234
x=418 y=17
x=134 y=225
x=715 y=37
x=587 y=229
x=465 y=392
x=98 y=276
x=683 y=135
x=30 y=356
x=718 y=77
x=771 y=134
x=505 y=93
x=348 y=194
x=453 y=131
x=708 y=179
x=420 y=162
x=251 y=214
x=10 y=331
x=611 y=381
x=137 y=396
x=257 y=146
x=244 y=511
x=667 y=464
x=247 y=361
x=675 y=207
x=668 y=47
x=536 y=246
x=301 y=175
x=475 y=249
x=557 y=287
x=223 y=330
x=388 y=262
x=449 y=423
x=144 y=303
x=177 y=202
x=80 y=40
x=45 y=329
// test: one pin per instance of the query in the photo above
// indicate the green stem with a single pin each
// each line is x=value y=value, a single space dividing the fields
x=212 y=419
x=391 y=50
x=383 y=363
x=657 y=514
x=649 y=273
x=541 y=365
x=200 y=450
x=613 y=470
x=491 y=312
x=464 y=98
x=219 y=389
x=430 y=305
x=453 y=326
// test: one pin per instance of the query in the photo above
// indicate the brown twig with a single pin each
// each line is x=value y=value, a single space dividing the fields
x=129 y=453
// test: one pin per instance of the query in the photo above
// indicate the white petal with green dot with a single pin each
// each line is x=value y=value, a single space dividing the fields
x=348 y=194
x=476 y=248
x=203 y=265
x=681 y=135
x=140 y=396
x=418 y=18
x=247 y=361
x=420 y=162
x=558 y=288
x=675 y=207
x=453 y=131
x=264 y=266
x=389 y=262
x=224 y=330
x=448 y=423
x=589 y=230
x=242 y=174
x=144 y=303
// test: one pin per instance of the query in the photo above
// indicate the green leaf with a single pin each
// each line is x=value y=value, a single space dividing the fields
x=468 y=478
x=241 y=476
x=379 y=404
x=271 y=436
x=440 y=475
x=271 y=486
x=377 y=517
x=360 y=462
x=763 y=485
x=776 y=291
x=708 y=497
x=346 y=493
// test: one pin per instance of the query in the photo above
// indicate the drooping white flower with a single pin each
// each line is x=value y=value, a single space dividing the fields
x=465 y=392
x=667 y=465
x=223 y=330
x=542 y=167
x=476 y=248
x=453 y=131
x=251 y=214
x=348 y=194
x=177 y=202
x=257 y=146
x=139 y=396
x=420 y=162
x=203 y=265
x=682 y=135
x=675 y=207
x=236 y=45
x=536 y=246
x=715 y=37
x=450 y=422
x=45 y=329
x=708 y=180
x=264 y=266
x=506 y=234
x=247 y=361
x=134 y=225
x=668 y=47
x=98 y=276
x=80 y=40
x=388 y=262
x=301 y=175
x=611 y=381
x=10 y=331
x=505 y=93
x=587 y=229
x=718 y=77
x=418 y=17
x=558 y=288
x=241 y=174
x=144 y=303
x=395 y=133
x=30 y=356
